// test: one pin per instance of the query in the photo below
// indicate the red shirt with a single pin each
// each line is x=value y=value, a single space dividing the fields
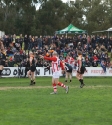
x=95 y=58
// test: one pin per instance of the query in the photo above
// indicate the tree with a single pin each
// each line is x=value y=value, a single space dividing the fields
x=51 y=16
x=17 y=16
x=95 y=12
x=8 y=12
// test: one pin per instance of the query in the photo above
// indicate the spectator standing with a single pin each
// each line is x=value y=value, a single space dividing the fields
x=103 y=65
x=84 y=40
x=30 y=42
x=35 y=42
x=21 y=40
x=93 y=42
x=40 y=42
x=6 y=41
x=17 y=44
x=25 y=42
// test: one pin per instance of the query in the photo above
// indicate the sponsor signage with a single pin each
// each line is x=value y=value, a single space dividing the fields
x=43 y=71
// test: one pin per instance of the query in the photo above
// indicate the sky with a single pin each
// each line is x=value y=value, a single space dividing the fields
x=61 y=0
x=67 y=0
x=64 y=1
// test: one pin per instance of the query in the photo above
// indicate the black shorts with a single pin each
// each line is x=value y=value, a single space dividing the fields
x=69 y=71
x=33 y=68
x=82 y=70
x=27 y=68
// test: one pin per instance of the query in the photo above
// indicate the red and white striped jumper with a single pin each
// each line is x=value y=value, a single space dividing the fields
x=56 y=65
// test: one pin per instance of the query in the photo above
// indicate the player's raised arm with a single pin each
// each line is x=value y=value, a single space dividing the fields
x=54 y=58
x=50 y=58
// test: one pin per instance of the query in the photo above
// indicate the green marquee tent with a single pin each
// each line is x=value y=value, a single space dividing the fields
x=71 y=29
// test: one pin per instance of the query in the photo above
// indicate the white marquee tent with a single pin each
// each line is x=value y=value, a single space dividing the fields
x=108 y=30
x=2 y=33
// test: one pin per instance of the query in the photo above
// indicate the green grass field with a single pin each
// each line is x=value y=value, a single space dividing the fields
x=21 y=104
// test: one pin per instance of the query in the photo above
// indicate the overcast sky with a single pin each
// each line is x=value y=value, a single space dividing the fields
x=64 y=1
x=68 y=0
x=37 y=5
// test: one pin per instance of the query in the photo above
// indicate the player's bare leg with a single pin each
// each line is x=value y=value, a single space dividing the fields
x=66 y=76
x=80 y=78
x=82 y=83
x=70 y=76
x=30 y=76
x=33 y=77
x=1 y=69
x=54 y=81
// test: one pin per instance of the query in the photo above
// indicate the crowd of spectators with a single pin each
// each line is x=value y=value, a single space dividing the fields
x=96 y=50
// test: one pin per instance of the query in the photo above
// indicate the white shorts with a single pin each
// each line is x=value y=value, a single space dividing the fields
x=56 y=74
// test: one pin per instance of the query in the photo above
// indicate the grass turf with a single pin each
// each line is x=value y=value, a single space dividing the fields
x=90 y=105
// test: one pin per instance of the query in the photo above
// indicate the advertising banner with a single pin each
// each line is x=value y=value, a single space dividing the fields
x=43 y=71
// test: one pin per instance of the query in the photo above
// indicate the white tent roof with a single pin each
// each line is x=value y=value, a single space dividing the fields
x=109 y=29
x=98 y=31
